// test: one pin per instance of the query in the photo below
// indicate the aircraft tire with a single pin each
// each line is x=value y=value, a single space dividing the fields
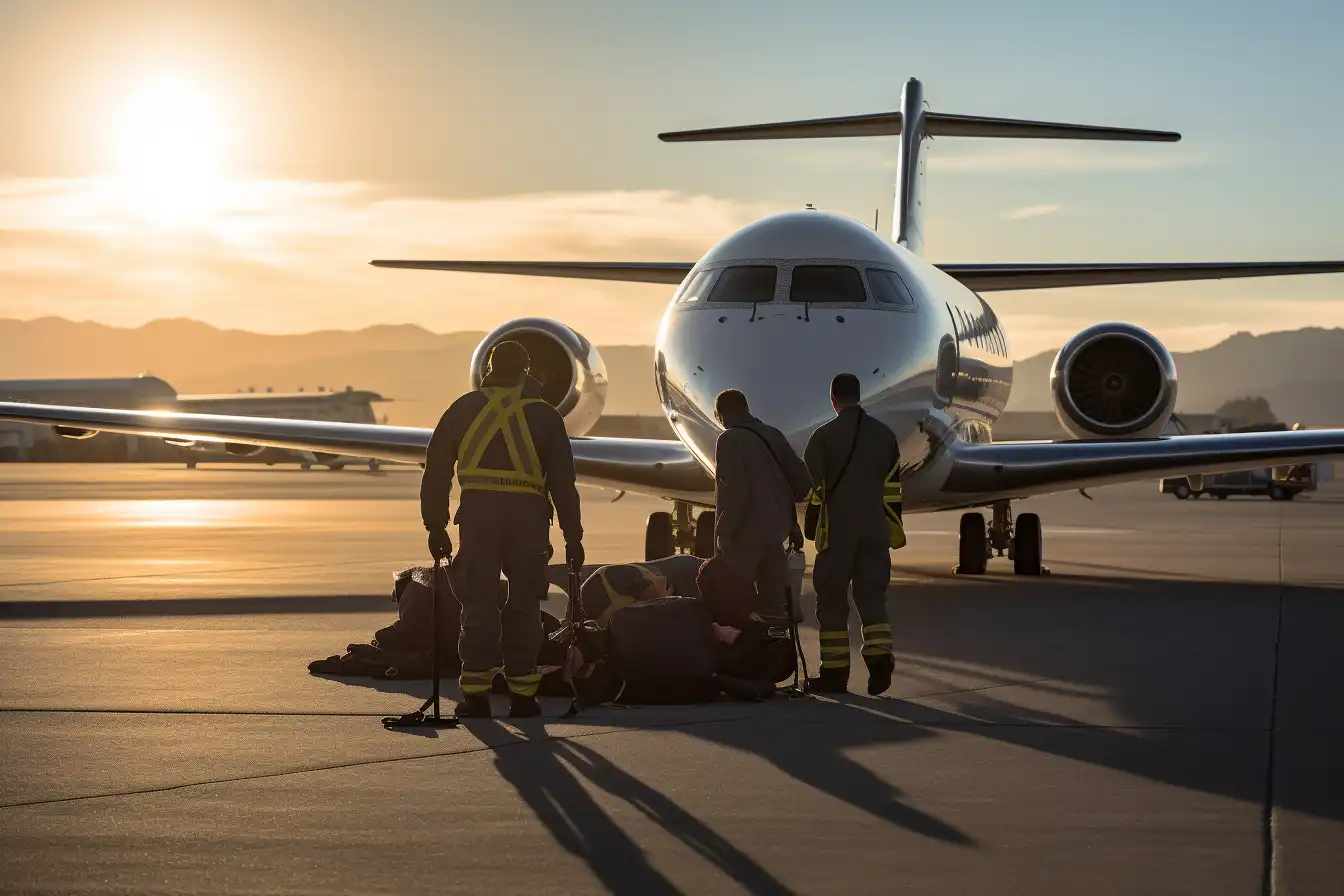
x=658 y=541
x=704 y=535
x=1182 y=491
x=973 y=545
x=1029 y=548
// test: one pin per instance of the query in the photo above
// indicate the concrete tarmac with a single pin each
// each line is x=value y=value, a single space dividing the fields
x=1160 y=715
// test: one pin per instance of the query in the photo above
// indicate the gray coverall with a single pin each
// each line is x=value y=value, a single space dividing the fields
x=759 y=482
x=501 y=531
x=857 y=546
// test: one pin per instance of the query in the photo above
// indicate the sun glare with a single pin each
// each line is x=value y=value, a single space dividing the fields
x=170 y=145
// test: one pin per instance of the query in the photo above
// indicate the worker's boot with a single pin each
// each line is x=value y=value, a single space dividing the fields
x=880 y=668
x=473 y=706
x=830 y=680
x=521 y=707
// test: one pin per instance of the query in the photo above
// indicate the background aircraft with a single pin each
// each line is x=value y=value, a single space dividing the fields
x=780 y=306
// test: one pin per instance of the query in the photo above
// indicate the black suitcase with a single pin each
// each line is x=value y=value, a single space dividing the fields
x=664 y=651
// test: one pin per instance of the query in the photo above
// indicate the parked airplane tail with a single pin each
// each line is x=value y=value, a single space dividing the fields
x=907 y=225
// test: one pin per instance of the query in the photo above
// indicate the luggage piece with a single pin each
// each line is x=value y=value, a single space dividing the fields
x=410 y=633
x=664 y=651
x=764 y=651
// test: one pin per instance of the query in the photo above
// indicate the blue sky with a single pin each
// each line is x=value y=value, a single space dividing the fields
x=528 y=130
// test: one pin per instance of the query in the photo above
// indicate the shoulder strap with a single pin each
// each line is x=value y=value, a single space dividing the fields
x=844 y=468
x=765 y=442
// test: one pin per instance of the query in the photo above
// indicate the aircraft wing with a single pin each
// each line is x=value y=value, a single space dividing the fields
x=979 y=277
x=630 y=272
x=985 y=472
x=992 y=277
x=660 y=467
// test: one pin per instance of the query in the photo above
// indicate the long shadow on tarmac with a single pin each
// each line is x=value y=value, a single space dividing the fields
x=547 y=777
x=1175 y=682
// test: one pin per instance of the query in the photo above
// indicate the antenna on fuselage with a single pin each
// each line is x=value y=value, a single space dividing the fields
x=877 y=215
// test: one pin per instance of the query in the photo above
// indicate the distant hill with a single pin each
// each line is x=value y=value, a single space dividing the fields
x=1300 y=372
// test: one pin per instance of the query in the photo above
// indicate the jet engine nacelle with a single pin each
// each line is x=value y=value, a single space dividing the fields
x=572 y=376
x=1113 y=380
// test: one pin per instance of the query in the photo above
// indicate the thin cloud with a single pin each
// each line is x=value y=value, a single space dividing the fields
x=280 y=256
x=1059 y=159
x=1030 y=211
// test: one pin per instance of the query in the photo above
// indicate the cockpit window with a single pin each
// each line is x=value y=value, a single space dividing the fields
x=827 y=283
x=694 y=289
x=888 y=288
x=749 y=283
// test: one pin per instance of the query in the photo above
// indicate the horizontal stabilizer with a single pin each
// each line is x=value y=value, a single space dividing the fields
x=630 y=272
x=879 y=125
x=992 y=277
x=936 y=124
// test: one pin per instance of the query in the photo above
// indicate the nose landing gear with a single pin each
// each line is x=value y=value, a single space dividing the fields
x=679 y=532
x=1022 y=542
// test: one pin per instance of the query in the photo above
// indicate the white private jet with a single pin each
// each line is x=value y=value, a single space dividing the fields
x=779 y=307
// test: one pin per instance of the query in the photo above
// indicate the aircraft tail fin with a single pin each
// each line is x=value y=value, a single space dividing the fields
x=907 y=220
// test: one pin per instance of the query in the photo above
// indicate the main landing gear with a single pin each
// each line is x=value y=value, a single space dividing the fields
x=679 y=533
x=1020 y=540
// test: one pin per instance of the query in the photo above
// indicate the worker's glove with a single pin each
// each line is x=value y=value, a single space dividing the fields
x=796 y=538
x=440 y=545
x=574 y=556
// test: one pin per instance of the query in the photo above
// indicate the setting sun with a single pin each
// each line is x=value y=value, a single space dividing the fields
x=170 y=143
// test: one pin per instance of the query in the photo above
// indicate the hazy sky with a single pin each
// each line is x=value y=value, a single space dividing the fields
x=240 y=162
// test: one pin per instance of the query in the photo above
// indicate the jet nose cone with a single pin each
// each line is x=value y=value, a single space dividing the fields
x=782 y=357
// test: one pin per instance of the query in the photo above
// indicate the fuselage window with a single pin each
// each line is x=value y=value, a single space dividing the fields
x=694 y=289
x=829 y=283
x=749 y=283
x=888 y=288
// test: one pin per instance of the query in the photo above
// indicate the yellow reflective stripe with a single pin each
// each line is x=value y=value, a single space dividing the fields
x=835 y=651
x=835 y=635
x=524 y=685
x=614 y=601
x=502 y=416
x=477 y=682
x=836 y=662
x=877 y=627
x=876 y=649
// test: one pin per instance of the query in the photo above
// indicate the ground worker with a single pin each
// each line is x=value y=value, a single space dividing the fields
x=851 y=459
x=616 y=585
x=759 y=482
x=513 y=461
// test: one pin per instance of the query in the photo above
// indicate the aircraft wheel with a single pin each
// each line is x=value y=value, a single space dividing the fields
x=704 y=535
x=658 y=542
x=336 y=465
x=1030 y=545
x=1182 y=491
x=1222 y=497
x=973 y=545
x=374 y=466
x=191 y=465
x=1277 y=493
x=305 y=466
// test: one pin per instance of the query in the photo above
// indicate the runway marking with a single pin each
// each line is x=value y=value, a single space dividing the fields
x=160 y=575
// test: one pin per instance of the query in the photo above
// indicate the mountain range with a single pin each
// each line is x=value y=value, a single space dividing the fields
x=1298 y=371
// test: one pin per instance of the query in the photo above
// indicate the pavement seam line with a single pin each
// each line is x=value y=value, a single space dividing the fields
x=1269 y=826
x=147 y=791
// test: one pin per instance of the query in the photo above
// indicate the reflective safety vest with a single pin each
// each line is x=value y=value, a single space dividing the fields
x=501 y=417
x=891 y=506
x=649 y=578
